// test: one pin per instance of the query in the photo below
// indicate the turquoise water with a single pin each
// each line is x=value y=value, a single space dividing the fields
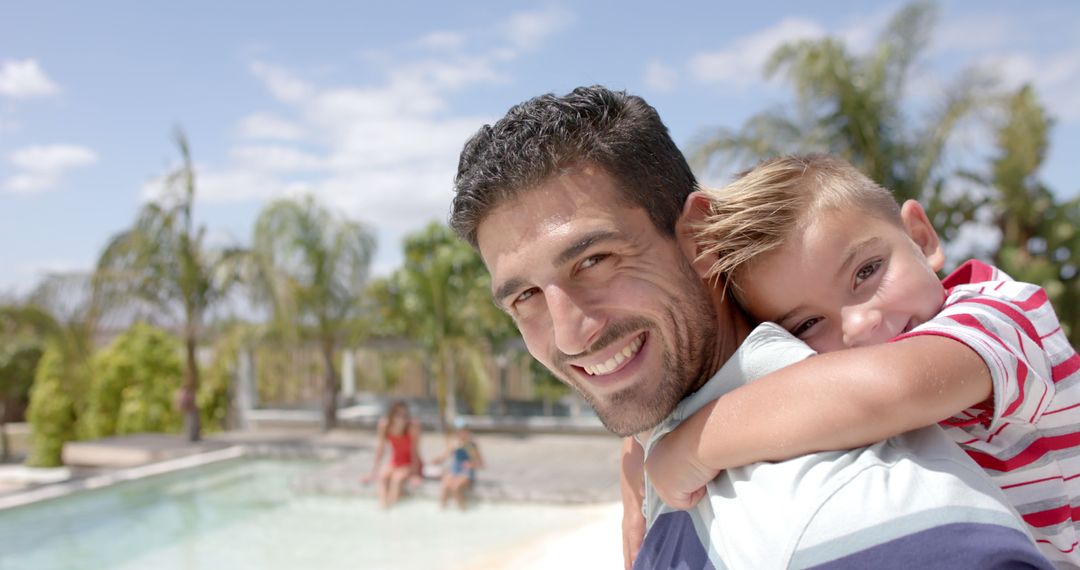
x=241 y=514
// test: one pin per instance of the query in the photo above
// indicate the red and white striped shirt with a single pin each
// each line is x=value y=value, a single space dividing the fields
x=1028 y=438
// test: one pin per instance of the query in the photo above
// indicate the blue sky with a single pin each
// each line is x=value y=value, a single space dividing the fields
x=366 y=104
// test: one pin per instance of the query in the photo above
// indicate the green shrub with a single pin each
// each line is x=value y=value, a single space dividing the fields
x=51 y=412
x=213 y=396
x=133 y=384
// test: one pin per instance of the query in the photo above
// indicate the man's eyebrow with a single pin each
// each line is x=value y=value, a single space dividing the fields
x=854 y=252
x=565 y=256
x=588 y=240
x=508 y=287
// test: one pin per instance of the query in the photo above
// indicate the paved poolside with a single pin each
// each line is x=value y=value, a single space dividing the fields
x=550 y=468
x=545 y=468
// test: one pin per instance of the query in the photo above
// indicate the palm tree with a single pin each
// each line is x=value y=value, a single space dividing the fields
x=22 y=332
x=851 y=105
x=1039 y=238
x=53 y=329
x=441 y=298
x=312 y=267
x=163 y=261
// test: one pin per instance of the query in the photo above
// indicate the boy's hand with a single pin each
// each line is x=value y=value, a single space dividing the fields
x=675 y=470
x=633 y=534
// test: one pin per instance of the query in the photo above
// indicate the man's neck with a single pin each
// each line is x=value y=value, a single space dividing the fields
x=733 y=328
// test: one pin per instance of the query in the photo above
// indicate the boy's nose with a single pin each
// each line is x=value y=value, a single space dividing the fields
x=574 y=327
x=859 y=324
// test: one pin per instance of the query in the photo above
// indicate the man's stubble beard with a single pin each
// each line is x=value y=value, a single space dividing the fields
x=684 y=364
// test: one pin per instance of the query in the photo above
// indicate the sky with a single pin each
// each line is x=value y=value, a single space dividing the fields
x=366 y=105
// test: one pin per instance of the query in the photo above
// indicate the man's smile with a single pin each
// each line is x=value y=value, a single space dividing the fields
x=617 y=360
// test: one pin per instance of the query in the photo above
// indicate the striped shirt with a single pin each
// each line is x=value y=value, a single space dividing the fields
x=1028 y=438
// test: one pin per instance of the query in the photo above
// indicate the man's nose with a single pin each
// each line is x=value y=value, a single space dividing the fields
x=575 y=327
x=860 y=322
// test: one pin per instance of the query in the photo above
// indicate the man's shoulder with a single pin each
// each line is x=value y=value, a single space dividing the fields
x=824 y=506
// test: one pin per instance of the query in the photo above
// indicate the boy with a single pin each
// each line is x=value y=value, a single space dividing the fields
x=465 y=459
x=813 y=245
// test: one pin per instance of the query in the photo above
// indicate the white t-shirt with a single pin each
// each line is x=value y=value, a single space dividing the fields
x=913 y=501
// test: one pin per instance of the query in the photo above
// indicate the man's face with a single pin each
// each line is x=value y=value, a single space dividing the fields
x=602 y=299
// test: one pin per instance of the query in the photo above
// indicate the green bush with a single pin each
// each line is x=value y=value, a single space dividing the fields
x=133 y=384
x=213 y=396
x=51 y=412
x=18 y=361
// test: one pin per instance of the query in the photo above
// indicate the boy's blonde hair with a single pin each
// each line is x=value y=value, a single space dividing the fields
x=765 y=205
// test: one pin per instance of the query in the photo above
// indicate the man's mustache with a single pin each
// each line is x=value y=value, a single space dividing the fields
x=614 y=332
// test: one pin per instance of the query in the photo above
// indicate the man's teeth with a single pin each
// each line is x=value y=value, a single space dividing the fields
x=620 y=357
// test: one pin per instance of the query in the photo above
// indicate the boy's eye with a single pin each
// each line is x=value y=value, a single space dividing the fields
x=867 y=271
x=803 y=327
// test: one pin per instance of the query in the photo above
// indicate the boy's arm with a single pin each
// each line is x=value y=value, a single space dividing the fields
x=631 y=480
x=838 y=400
x=415 y=465
x=477 y=459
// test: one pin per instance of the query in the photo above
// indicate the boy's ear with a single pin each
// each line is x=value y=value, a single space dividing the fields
x=922 y=232
x=695 y=209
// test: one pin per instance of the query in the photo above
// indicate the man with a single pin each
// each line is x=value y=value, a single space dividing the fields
x=578 y=206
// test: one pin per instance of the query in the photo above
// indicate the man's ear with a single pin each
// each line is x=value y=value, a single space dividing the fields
x=922 y=232
x=694 y=212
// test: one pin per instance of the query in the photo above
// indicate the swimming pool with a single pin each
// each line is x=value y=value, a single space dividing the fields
x=242 y=514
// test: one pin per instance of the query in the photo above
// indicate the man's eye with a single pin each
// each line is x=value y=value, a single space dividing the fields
x=592 y=260
x=867 y=271
x=524 y=296
x=805 y=326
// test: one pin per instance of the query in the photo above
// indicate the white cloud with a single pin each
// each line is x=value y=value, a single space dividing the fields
x=265 y=126
x=25 y=79
x=453 y=74
x=383 y=152
x=741 y=63
x=441 y=40
x=30 y=183
x=861 y=32
x=975 y=33
x=268 y=158
x=282 y=84
x=52 y=157
x=27 y=276
x=660 y=76
x=1056 y=78
x=41 y=168
x=527 y=30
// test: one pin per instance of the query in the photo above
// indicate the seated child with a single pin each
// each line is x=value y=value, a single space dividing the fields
x=813 y=245
x=465 y=459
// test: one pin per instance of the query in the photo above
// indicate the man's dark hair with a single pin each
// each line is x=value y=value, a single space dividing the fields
x=543 y=136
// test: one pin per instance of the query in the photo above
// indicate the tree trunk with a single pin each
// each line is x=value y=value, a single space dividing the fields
x=501 y=360
x=187 y=403
x=4 y=449
x=451 y=386
x=330 y=387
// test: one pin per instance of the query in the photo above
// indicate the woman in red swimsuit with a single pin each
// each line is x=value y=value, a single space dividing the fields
x=402 y=432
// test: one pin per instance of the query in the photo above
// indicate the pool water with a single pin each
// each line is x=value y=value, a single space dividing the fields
x=241 y=514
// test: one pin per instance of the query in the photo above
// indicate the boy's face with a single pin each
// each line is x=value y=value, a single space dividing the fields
x=851 y=279
x=602 y=299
